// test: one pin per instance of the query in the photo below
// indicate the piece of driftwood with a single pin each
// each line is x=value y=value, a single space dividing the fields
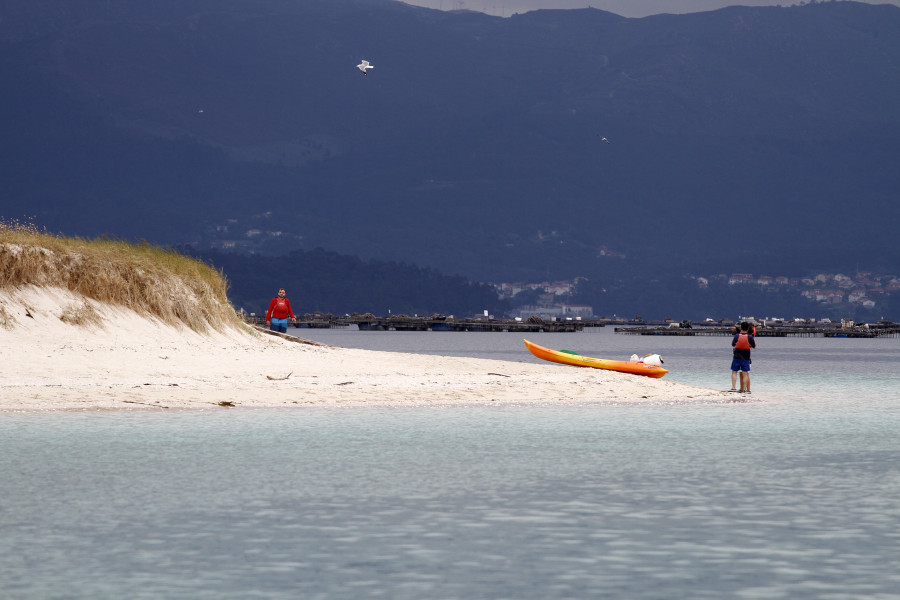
x=290 y=338
x=270 y=378
x=145 y=404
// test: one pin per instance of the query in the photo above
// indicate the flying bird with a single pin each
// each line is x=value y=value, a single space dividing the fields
x=603 y=139
x=364 y=65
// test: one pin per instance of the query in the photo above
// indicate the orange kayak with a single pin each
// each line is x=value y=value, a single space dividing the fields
x=570 y=358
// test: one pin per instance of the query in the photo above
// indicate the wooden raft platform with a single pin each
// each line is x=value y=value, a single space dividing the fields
x=369 y=322
x=430 y=324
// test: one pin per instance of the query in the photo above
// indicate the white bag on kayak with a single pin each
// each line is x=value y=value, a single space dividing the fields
x=653 y=359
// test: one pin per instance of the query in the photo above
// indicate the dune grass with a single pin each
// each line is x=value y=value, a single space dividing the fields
x=150 y=280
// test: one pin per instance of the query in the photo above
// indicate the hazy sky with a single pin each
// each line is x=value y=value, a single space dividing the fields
x=626 y=8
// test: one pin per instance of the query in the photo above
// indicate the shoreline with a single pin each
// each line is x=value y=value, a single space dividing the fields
x=133 y=362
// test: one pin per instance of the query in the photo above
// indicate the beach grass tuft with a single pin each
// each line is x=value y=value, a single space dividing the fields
x=82 y=314
x=145 y=278
x=6 y=320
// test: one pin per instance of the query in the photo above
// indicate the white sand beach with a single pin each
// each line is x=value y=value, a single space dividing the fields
x=134 y=362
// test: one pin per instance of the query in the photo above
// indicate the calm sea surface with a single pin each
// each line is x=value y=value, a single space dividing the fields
x=793 y=494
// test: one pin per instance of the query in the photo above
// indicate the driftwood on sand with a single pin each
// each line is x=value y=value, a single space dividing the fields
x=269 y=377
x=290 y=338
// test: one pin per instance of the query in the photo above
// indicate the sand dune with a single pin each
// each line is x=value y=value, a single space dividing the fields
x=127 y=361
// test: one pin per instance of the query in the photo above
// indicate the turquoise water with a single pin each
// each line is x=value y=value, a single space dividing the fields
x=795 y=494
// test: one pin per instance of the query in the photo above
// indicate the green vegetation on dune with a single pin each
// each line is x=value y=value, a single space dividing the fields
x=150 y=280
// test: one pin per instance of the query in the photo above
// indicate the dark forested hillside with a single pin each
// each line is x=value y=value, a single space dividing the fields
x=744 y=139
x=320 y=281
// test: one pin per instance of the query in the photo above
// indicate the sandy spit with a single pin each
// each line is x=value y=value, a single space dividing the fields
x=131 y=362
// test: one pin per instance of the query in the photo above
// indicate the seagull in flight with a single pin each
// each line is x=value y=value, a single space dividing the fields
x=603 y=139
x=364 y=65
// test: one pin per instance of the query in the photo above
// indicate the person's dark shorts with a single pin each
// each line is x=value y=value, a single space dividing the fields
x=740 y=365
x=279 y=325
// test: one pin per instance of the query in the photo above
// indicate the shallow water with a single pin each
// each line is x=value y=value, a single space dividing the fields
x=793 y=495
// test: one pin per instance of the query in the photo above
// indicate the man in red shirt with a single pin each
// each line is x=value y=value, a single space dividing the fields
x=279 y=311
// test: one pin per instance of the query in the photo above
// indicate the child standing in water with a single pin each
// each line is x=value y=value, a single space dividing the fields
x=742 y=343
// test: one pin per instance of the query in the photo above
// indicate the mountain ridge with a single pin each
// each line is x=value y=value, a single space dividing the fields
x=743 y=136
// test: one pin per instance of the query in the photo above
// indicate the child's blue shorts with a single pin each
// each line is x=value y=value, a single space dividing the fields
x=740 y=365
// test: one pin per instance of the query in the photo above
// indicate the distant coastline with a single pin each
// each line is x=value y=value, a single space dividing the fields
x=776 y=328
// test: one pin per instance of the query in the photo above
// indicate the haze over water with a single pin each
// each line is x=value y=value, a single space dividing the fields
x=792 y=494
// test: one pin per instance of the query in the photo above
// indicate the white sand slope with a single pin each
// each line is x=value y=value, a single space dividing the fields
x=134 y=362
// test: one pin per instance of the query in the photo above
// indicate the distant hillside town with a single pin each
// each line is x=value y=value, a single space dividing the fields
x=865 y=291
x=548 y=299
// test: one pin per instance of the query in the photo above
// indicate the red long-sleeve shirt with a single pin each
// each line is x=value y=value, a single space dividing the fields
x=279 y=308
